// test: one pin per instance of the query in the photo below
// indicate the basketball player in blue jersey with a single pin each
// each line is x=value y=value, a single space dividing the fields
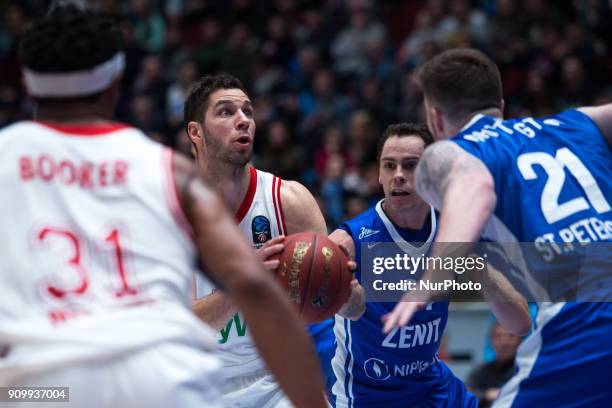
x=401 y=368
x=532 y=180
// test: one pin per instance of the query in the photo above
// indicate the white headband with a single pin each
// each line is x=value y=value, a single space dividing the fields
x=75 y=83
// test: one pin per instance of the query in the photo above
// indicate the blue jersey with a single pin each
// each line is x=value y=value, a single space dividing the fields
x=553 y=181
x=553 y=177
x=400 y=369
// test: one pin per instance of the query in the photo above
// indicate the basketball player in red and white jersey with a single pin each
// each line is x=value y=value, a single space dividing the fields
x=221 y=125
x=98 y=253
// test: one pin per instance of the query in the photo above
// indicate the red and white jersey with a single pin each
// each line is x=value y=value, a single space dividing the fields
x=96 y=258
x=260 y=219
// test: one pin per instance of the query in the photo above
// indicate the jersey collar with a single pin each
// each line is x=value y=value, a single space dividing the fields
x=248 y=198
x=474 y=119
x=401 y=242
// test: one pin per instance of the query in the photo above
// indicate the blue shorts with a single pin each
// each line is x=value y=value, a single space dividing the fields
x=447 y=392
x=566 y=362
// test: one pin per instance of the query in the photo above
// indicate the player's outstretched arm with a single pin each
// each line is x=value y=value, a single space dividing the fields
x=461 y=187
x=354 y=308
x=465 y=188
x=602 y=116
x=226 y=254
x=508 y=305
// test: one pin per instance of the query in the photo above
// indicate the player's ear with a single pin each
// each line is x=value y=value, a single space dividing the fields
x=195 y=132
x=503 y=105
x=435 y=121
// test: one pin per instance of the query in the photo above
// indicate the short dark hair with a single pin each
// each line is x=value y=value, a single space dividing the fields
x=404 y=129
x=70 y=39
x=197 y=101
x=461 y=81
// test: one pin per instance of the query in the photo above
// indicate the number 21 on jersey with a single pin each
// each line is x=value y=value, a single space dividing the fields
x=555 y=169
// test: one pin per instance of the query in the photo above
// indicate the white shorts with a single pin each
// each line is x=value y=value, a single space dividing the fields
x=164 y=375
x=259 y=390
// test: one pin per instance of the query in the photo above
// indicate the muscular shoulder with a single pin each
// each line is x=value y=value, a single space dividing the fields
x=442 y=162
x=300 y=209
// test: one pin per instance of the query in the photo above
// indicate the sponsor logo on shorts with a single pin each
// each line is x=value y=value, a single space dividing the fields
x=376 y=369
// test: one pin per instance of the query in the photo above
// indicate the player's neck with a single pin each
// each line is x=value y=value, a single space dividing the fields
x=496 y=112
x=231 y=182
x=72 y=113
x=412 y=217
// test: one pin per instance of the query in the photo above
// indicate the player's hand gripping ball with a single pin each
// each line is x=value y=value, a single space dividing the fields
x=314 y=271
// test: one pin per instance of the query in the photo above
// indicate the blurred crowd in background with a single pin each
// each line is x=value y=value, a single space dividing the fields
x=327 y=77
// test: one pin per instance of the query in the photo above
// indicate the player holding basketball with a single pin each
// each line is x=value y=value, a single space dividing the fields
x=524 y=180
x=98 y=258
x=401 y=368
x=221 y=126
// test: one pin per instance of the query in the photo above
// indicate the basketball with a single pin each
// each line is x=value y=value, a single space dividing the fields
x=314 y=271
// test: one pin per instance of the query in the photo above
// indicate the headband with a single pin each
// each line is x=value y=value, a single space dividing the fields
x=74 y=83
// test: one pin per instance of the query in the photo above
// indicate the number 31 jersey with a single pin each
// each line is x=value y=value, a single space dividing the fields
x=94 y=262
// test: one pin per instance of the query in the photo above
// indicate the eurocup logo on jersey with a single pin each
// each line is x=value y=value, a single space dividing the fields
x=260 y=226
x=376 y=369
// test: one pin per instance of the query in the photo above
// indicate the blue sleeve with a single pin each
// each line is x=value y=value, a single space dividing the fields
x=345 y=227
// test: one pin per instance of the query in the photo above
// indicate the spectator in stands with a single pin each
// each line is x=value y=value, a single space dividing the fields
x=313 y=64
x=486 y=380
x=178 y=91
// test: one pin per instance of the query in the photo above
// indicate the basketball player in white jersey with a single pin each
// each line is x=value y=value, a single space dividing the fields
x=221 y=126
x=97 y=230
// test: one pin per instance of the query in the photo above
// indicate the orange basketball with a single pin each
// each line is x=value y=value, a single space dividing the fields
x=314 y=271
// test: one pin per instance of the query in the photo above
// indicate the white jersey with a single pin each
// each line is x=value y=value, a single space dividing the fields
x=96 y=260
x=260 y=218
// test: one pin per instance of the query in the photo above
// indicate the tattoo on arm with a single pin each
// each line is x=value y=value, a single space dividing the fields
x=440 y=164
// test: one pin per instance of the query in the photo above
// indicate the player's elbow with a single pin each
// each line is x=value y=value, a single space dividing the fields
x=521 y=326
x=523 y=329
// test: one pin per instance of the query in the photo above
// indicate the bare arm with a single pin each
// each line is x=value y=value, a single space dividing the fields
x=300 y=209
x=230 y=260
x=508 y=305
x=464 y=186
x=301 y=214
x=216 y=309
x=602 y=116
x=354 y=308
x=460 y=186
